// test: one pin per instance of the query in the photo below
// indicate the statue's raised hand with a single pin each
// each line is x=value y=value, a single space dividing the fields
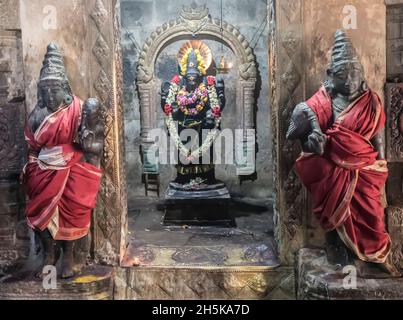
x=92 y=132
x=315 y=143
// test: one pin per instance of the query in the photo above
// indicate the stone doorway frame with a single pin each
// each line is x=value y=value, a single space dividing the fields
x=105 y=82
x=195 y=21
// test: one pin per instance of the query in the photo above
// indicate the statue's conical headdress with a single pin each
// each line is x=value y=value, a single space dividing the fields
x=192 y=62
x=343 y=51
x=53 y=65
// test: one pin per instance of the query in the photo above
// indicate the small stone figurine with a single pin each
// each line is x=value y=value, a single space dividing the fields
x=62 y=176
x=343 y=163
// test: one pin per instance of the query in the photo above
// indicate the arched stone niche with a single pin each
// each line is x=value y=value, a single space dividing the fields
x=195 y=21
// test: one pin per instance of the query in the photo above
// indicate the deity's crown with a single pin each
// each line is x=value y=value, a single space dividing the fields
x=192 y=62
x=343 y=51
x=53 y=65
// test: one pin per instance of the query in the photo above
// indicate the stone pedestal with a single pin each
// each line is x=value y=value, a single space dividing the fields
x=318 y=280
x=95 y=283
x=243 y=283
x=205 y=206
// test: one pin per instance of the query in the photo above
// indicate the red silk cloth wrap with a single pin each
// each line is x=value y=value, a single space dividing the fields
x=347 y=182
x=62 y=189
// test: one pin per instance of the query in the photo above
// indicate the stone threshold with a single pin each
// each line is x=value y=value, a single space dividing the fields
x=318 y=280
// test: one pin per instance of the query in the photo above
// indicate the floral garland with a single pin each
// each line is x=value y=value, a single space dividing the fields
x=199 y=96
x=170 y=123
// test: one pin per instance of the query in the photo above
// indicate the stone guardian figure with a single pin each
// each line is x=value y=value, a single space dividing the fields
x=343 y=163
x=62 y=176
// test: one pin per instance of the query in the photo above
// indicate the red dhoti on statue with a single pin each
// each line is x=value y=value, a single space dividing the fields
x=62 y=189
x=346 y=183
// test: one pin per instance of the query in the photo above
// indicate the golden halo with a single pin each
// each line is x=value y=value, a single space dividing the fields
x=203 y=48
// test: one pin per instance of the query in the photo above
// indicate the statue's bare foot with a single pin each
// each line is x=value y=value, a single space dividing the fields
x=68 y=271
x=68 y=260
x=336 y=252
x=369 y=270
x=52 y=254
x=389 y=267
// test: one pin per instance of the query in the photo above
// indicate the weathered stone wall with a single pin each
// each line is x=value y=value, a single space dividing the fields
x=394 y=50
x=14 y=237
x=62 y=22
x=10 y=15
x=139 y=20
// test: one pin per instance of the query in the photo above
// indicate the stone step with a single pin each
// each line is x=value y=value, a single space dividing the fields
x=95 y=283
x=318 y=280
x=176 y=283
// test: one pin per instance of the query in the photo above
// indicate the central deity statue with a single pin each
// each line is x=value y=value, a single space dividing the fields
x=193 y=100
x=343 y=163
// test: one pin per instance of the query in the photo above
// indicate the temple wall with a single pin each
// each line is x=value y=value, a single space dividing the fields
x=139 y=20
x=62 y=22
x=14 y=235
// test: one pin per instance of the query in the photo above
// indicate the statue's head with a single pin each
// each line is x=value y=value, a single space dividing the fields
x=92 y=113
x=346 y=74
x=193 y=68
x=54 y=89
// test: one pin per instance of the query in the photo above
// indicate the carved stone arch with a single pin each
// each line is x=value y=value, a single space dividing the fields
x=191 y=22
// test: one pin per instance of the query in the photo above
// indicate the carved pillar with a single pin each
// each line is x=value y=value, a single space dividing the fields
x=245 y=107
x=394 y=130
x=148 y=121
x=105 y=79
x=394 y=153
x=286 y=88
x=14 y=239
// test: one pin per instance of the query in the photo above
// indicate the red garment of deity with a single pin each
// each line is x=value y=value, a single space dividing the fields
x=62 y=189
x=346 y=183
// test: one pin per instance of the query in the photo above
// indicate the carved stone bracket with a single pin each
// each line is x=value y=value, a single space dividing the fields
x=194 y=20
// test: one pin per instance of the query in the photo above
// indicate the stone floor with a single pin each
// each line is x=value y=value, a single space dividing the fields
x=318 y=280
x=181 y=262
x=152 y=244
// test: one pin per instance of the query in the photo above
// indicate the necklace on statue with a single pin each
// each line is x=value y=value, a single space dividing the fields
x=192 y=103
x=339 y=105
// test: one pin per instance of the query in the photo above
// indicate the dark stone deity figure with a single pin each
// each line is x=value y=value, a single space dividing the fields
x=62 y=176
x=343 y=163
x=195 y=101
